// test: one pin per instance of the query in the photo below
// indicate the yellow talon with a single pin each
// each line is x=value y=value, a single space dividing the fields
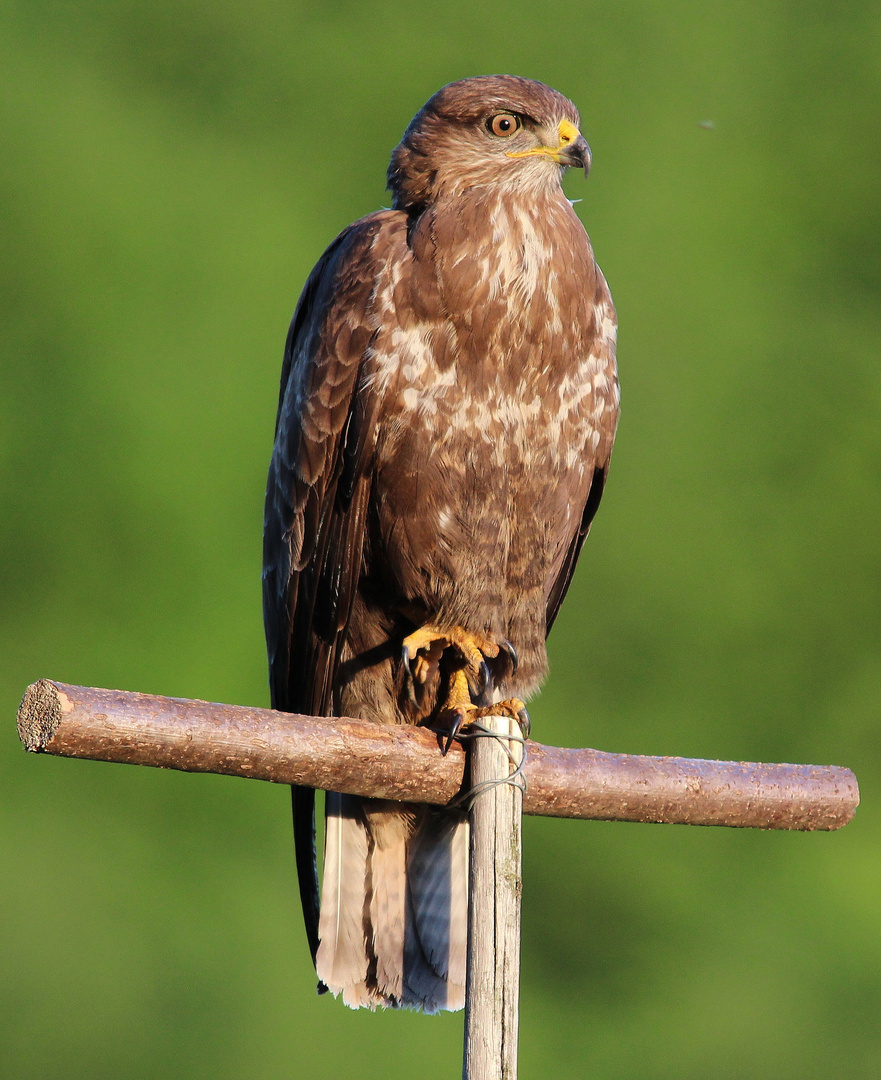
x=457 y=714
x=422 y=652
x=423 y=649
x=423 y=638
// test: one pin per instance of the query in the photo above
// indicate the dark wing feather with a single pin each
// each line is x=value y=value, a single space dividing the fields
x=561 y=585
x=317 y=496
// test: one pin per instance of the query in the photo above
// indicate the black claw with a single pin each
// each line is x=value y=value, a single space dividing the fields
x=512 y=656
x=480 y=684
x=455 y=727
x=524 y=722
x=408 y=675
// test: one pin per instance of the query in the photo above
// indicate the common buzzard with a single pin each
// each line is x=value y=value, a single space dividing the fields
x=448 y=405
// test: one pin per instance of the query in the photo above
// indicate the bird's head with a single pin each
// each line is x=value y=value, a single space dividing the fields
x=496 y=129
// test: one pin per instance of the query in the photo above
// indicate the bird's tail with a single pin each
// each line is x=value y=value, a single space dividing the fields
x=394 y=906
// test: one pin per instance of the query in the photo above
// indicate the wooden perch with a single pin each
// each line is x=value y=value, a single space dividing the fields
x=492 y=995
x=405 y=763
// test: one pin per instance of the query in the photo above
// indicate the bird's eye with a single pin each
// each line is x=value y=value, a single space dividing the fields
x=503 y=124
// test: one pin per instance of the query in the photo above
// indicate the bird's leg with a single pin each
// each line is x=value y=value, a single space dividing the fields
x=458 y=707
x=459 y=710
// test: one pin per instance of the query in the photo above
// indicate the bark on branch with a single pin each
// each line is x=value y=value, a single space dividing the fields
x=406 y=763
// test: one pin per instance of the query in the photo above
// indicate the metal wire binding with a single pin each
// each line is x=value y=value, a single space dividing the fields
x=477 y=730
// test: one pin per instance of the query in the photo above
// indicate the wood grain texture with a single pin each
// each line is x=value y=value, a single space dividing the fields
x=492 y=990
x=405 y=763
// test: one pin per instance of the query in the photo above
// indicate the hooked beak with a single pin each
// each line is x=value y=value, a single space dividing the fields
x=571 y=150
x=577 y=155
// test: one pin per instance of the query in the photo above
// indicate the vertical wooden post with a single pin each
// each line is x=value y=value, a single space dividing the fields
x=492 y=991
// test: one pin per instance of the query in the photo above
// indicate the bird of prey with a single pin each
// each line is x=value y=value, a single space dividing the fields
x=448 y=404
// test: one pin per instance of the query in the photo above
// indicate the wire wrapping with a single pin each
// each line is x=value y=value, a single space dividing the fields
x=476 y=730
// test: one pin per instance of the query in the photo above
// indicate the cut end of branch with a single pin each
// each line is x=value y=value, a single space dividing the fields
x=39 y=715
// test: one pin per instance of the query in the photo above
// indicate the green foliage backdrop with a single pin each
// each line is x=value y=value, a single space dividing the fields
x=170 y=173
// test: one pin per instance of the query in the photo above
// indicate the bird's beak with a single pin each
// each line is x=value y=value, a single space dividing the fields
x=577 y=155
x=571 y=150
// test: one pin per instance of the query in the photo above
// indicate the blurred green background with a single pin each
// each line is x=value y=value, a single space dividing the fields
x=170 y=172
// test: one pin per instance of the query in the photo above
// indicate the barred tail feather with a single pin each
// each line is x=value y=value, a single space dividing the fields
x=394 y=905
x=388 y=897
x=438 y=925
x=342 y=960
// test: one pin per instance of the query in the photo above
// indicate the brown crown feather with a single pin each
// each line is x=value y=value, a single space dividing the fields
x=449 y=124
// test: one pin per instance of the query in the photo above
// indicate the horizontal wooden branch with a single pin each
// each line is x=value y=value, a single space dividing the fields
x=405 y=763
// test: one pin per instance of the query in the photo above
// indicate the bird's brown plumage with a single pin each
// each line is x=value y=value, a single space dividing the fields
x=447 y=411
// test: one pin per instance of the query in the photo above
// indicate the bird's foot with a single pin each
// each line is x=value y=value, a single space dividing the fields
x=470 y=678
x=421 y=653
x=511 y=707
x=453 y=721
x=423 y=649
x=459 y=710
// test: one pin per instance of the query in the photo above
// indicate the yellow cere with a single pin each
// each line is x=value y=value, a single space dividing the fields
x=567 y=133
